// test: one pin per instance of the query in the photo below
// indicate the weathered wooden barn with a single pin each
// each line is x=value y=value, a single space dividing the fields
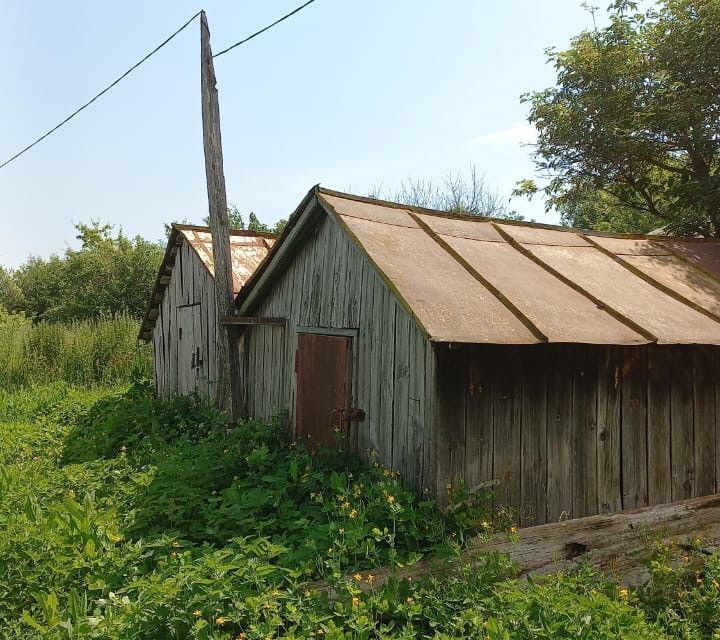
x=579 y=370
x=181 y=317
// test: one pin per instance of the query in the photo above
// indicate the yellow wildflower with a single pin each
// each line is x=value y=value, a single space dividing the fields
x=513 y=529
x=624 y=593
x=220 y=621
x=370 y=578
x=409 y=600
x=485 y=524
x=197 y=613
x=357 y=577
x=341 y=531
x=391 y=499
x=352 y=514
x=356 y=602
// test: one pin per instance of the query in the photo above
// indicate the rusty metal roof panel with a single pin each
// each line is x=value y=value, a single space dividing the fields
x=669 y=320
x=247 y=250
x=656 y=261
x=529 y=234
x=448 y=302
x=703 y=254
x=558 y=311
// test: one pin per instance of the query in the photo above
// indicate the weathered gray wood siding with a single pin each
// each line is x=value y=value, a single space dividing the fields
x=576 y=430
x=330 y=284
x=184 y=335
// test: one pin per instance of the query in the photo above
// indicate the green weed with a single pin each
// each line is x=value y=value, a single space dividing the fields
x=123 y=516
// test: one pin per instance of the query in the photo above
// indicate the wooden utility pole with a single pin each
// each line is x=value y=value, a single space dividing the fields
x=227 y=351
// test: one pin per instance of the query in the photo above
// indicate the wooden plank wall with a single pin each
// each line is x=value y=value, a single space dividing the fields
x=188 y=304
x=329 y=284
x=577 y=430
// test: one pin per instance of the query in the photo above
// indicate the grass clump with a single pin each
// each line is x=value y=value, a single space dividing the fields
x=83 y=353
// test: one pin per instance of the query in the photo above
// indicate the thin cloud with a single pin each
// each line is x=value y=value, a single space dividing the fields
x=516 y=134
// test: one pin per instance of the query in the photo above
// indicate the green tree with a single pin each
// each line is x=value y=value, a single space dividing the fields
x=635 y=116
x=236 y=220
x=110 y=273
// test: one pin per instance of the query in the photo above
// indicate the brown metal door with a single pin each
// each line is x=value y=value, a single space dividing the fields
x=323 y=372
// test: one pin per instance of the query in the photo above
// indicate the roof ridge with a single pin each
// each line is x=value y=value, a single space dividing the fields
x=524 y=319
x=652 y=282
x=233 y=232
x=611 y=311
x=518 y=223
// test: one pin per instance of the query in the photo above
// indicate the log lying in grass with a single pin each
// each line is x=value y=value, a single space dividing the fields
x=619 y=543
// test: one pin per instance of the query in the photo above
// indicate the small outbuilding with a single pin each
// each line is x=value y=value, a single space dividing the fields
x=580 y=371
x=181 y=317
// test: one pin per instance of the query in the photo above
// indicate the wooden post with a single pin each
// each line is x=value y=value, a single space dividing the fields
x=228 y=386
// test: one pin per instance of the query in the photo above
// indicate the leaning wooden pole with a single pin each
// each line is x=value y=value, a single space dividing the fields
x=227 y=353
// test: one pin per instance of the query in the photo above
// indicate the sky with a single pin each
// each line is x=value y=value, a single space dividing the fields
x=351 y=94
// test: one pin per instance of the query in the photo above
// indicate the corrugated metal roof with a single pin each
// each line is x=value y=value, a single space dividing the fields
x=248 y=249
x=489 y=281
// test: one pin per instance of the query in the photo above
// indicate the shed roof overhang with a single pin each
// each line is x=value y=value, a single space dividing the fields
x=469 y=279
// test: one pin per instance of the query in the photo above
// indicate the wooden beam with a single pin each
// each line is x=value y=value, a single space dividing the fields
x=251 y=320
x=228 y=366
x=619 y=544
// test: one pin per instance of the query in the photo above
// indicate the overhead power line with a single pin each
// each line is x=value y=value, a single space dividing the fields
x=103 y=92
x=137 y=64
x=264 y=29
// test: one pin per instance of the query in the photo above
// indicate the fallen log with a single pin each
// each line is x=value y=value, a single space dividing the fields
x=618 y=543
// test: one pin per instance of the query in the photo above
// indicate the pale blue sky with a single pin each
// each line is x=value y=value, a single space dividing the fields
x=348 y=93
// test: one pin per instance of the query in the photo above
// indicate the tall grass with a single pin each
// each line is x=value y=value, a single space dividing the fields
x=84 y=353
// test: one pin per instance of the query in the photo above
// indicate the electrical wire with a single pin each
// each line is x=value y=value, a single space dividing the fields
x=264 y=29
x=103 y=92
x=137 y=64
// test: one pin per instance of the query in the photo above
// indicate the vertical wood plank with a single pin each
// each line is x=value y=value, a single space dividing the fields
x=507 y=406
x=659 y=444
x=559 y=434
x=452 y=393
x=634 y=428
x=534 y=436
x=704 y=412
x=681 y=402
x=386 y=390
x=429 y=465
x=415 y=433
x=584 y=428
x=401 y=385
x=609 y=441
x=479 y=437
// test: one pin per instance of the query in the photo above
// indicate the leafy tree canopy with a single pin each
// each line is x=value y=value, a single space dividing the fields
x=110 y=273
x=635 y=117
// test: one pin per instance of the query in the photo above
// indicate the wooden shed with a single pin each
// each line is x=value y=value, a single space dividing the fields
x=181 y=317
x=578 y=370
